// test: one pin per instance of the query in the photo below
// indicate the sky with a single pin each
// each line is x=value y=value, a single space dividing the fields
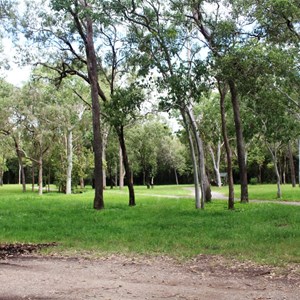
x=15 y=74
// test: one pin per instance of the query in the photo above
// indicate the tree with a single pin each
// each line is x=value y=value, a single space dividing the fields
x=156 y=45
x=72 y=24
x=120 y=110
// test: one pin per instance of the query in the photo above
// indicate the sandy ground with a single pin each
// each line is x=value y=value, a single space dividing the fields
x=119 y=277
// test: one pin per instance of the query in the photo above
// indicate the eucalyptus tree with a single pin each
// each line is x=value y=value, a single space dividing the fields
x=147 y=141
x=10 y=122
x=120 y=111
x=160 y=45
x=63 y=34
x=208 y=118
x=36 y=111
x=173 y=157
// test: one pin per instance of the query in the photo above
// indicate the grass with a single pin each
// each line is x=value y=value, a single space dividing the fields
x=266 y=192
x=268 y=233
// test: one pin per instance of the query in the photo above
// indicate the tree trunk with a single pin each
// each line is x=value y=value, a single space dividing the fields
x=216 y=163
x=205 y=186
x=292 y=165
x=176 y=176
x=128 y=171
x=194 y=161
x=32 y=174
x=121 y=170
x=40 y=177
x=105 y=140
x=49 y=178
x=227 y=147
x=81 y=180
x=97 y=137
x=275 y=162
x=69 y=161
x=240 y=142
x=277 y=176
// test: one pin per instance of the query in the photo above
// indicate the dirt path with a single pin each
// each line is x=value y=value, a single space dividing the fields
x=116 y=277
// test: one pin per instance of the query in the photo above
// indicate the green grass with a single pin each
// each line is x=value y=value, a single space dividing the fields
x=266 y=192
x=268 y=233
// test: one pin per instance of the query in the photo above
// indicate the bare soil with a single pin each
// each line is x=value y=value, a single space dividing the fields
x=30 y=276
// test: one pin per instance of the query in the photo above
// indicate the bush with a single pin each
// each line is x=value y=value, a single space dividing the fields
x=253 y=181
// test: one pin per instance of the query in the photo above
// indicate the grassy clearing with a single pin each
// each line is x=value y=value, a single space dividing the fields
x=266 y=192
x=268 y=233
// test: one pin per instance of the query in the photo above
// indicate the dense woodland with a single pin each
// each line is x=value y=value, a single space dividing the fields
x=108 y=76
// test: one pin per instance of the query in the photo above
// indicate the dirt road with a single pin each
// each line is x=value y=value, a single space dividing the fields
x=118 y=277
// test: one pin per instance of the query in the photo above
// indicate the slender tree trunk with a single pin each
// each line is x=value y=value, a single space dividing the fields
x=279 y=195
x=292 y=165
x=216 y=163
x=205 y=186
x=275 y=162
x=49 y=178
x=240 y=142
x=97 y=137
x=81 y=180
x=69 y=161
x=144 y=177
x=176 y=176
x=227 y=147
x=121 y=170
x=40 y=176
x=116 y=177
x=194 y=162
x=284 y=165
x=196 y=174
x=128 y=171
x=32 y=174
x=105 y=140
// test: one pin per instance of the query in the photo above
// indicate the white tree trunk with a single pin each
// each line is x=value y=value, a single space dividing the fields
x=216 y=163
x=278 y=179
x=196 y=175
x=200 y=150
x=69 y=161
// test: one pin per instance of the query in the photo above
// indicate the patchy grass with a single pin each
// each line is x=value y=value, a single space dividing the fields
x=268 y=233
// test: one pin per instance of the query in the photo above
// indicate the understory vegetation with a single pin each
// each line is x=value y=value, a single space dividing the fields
x=158 y=225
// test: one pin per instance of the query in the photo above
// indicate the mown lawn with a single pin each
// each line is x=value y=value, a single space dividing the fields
x=266 y=192
x=268 y=233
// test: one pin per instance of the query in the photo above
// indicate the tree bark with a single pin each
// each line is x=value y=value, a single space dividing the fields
x=128 y=171
x=216 y=163
x=275 y=162
x=240 y=142
x=205 y=186
x=121 y=170
x=97 y=137
x=194 y=161
x=227 y=147
x=32 y=174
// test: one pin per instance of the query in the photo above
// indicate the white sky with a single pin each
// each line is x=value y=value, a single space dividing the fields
x=15 y=74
